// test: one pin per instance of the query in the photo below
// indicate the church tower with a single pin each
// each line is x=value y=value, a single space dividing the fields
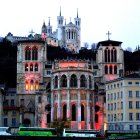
x=49 y=28
x=78 y=24
x=60 y=20
x=110 y=59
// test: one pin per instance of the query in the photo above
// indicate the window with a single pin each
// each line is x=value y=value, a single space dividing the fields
x=63 y=81
x=36 y=67
x=137 y=83
x=137 y=94
x=13 y=121
x=110 y=69
x=130 y=105
x=130 y=94
x=129 y=83
x=137 y=116
x=14 y=113
x=111 y=106
x=74 y=112
x=109 y=118
x=114 y=106
x=121 y=116
x=108 y=106
x=118 y=95
x=111 y=96
x=82 y=113
x=114 y=96
x=130 y=116
x=131 y=127
x=121 y=94
x=31 y=85
x=64 y=111
x=121 y=105
x=90 y=82
x=26 y=86
x=12 y=102
x=106 y=69
x=26 y=67
x=27 y=53
x=31 y=67
x=56 y=82
x=34 y=53
x=36 y=86
x=115 y=117
x=73 y=81
x=138 y=127
x=115 y=69
x=137 y=104
x=5 y=122
x=108 y=97
x=48 y=72
x=83 y=81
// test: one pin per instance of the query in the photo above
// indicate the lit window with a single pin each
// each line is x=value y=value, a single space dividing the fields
x=36 y=86
x=31 y=67
x=31 y=85
x=26 y=86
x=26 y=67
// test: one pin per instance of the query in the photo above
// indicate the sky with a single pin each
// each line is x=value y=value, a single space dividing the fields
x=120 y=17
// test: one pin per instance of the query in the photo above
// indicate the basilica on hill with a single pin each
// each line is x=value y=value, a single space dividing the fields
x=53 y=85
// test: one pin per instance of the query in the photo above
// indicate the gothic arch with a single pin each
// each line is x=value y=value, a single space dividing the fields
x=110 y=69
x=64 y=107
x=27 y=53
x=63 y=81
x=26 y=67
x=106 y=69
x=31 y=85
x=36 y=67
x=34 y=53
x=56 y=82
x=90 y=82
x=83 y=81
x=31 y=67
x=36 y=86
x=73 y=80
x=115 y=69
x=26 y=86
x=73 y=112
x=82 y=112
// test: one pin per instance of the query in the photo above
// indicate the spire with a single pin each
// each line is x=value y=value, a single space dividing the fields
x=77 y=12
x=65 y=21
x=60 y=10
x=49 y=21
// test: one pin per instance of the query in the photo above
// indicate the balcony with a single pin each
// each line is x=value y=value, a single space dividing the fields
x=8 y=108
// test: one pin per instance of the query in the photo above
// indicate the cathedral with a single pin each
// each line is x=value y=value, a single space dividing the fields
x=71 y=88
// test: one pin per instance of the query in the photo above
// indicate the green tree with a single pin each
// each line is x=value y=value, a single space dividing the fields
x=60 y=124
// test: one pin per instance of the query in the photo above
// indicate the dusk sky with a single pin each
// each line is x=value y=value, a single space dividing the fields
x=120 y=17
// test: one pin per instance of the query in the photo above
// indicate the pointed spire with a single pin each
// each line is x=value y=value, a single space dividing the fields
x=60 y=10
x=49 y=21
x=77 y=12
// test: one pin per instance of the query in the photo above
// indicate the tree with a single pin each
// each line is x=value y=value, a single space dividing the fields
x=59 y=124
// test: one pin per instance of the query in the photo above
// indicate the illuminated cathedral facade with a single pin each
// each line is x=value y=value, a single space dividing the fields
x=74 y=89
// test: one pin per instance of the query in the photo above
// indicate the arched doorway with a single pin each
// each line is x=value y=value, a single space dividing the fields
x=26 y=122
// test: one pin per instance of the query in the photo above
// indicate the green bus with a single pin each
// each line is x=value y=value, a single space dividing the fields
x=36 y=131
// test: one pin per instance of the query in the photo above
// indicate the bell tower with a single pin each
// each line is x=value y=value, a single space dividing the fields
x=110 y=59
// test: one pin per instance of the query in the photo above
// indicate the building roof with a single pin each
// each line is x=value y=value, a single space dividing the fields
x=134 y=76
x=31 y=41
x=108 y=42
